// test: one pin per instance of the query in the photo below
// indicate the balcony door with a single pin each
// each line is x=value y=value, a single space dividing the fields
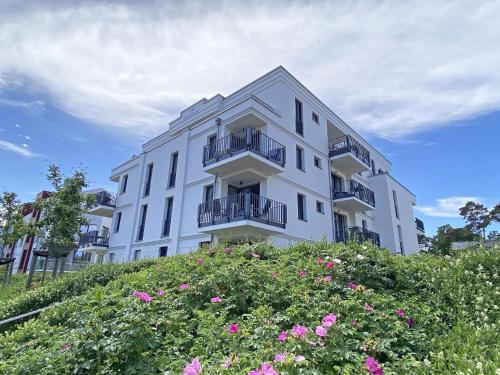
x=337 y=184
x=243 y=199
x=340 y=228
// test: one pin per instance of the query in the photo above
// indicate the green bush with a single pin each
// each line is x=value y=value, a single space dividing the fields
x=413 y=315
x=67 y=286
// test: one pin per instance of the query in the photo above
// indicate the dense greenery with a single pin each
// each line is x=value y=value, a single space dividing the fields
x=307 y=309
x=70 y=285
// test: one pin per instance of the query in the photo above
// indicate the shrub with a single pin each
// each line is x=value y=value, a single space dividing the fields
x=309 y=309
x=67 y=286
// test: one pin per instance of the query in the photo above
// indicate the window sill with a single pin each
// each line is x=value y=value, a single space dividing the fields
x=304 y=220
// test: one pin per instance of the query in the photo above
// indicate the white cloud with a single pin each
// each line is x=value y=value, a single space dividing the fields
x=8 y=146
x=25 y=136
x=446 y=207
x=17 y=126
x=389 y=68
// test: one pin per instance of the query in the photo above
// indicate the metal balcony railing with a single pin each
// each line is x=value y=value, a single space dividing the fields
x=346 y=143
x=352 y=188
x=359 y=234
x=94 y=238
x=247 y=139
x=420 y=225
x=243 y=206
x=104 y=198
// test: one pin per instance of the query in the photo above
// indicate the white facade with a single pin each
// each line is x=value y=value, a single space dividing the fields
x=258 y=170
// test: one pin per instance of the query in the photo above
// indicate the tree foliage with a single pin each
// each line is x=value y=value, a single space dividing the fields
x=12 y=225
x=477 y=217
x=446 y=234
x=63 y=212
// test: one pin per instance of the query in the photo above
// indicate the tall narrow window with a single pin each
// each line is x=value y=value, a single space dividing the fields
x=118 y=219
x=396 y=207
x=317 y=162
x=300 y=158
x=142 y=222
x=301 y=207
x=212 y=146
x=208 y=196
x=163 y=251
x=364 y=224
x=167 y=219
x=373 y=167
x=299 y=123
x=149 y=175
x=124 y=184
x=173 y=169
x=137 y=254
x=400 y=236
x=320 y=207
x=315 y=118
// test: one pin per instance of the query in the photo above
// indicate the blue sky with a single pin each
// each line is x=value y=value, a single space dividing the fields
x=87 y=84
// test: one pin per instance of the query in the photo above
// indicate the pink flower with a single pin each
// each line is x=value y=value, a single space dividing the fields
x=352 y=286
x=368 y=307
x=160 y=293
x=302 y=273
x=400 y=313
x=329 y=320
x=255 y=255
x=275 y=274
x=65 y=347
x=233 y=328
x=200 y=261
x=184 y=286
x=329 y=264
x=328 y=278
x=299 y=331
x=265 y=369
x=194 y=368
x=228 y=250
x=280 y=357
x=410 y=322
x=143 y=296
x=319 y=260
x=354 y=322
x=282 y=336
x=215 y=299
x=320 y=331
x=373 y=366
x=299 y=358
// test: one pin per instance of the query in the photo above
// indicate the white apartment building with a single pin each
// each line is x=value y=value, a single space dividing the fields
x=269 y=162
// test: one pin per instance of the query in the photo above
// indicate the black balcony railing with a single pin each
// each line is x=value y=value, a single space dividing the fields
x=94 y=238
x=352 y=188
x=104 y=198
x=247 y=139
x=243 y=206
x=420 y=225
x=346 y=144
x=359 y=234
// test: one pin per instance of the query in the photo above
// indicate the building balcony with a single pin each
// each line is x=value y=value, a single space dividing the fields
x=350 y=195
x=104 y=204
x=243 y=150
x=243 y=216
x=94 y=241
x=420 y=227
x=359 y=234
x=348 y=155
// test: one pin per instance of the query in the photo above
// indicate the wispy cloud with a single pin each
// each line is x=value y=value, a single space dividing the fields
x=389 y=68
x=23 y=151
x=36 y=105
x=446 y=207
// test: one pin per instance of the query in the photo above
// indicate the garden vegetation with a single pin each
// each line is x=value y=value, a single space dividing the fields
x=316 y=308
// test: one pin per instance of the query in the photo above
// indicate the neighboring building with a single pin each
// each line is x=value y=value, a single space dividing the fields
x=269 y=162
x=23 y=248
x=463 y=245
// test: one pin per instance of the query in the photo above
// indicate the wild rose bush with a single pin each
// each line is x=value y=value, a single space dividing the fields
x=254 y=309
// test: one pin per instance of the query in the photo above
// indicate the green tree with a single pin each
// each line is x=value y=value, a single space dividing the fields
x=63 y=212
x=477 y=217
x=446 y=234
x=495 y=213
x=12 y=225
x=494 y=235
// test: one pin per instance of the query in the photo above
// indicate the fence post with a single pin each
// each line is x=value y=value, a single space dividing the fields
x=32 y=271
